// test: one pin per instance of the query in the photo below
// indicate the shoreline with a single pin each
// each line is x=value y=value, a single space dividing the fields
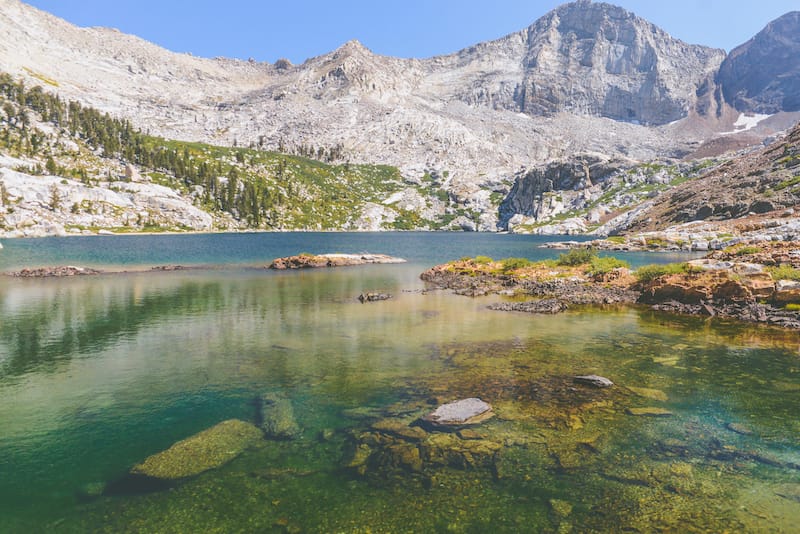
x=747 y=284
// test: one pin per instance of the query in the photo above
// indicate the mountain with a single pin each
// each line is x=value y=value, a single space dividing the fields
x=584 y=77
x=763 y=74
x=587 y=82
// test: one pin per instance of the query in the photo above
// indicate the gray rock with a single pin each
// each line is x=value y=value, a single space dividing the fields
x=458 y=413
x=594 y=380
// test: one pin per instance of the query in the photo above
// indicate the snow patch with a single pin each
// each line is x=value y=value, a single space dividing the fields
x=746 y=121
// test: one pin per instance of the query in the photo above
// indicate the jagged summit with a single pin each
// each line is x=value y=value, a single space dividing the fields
x=763 y=74
x=600 y=59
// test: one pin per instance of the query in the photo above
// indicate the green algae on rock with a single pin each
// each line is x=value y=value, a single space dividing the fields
x=206 y=450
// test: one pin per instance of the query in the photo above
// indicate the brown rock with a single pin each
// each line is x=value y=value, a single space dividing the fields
x=400 y=429
x=732 y=291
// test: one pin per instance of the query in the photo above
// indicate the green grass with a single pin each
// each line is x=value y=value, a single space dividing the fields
x=606 y=264
x=648 y=273
x=784 y=272
x=508 y=265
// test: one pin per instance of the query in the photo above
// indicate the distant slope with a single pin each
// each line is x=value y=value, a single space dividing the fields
x=67 y=168
x=757 y=182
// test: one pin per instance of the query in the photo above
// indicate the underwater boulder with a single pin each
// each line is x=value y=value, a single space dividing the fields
x=206 y=450
x=277 y=417
x=594 y=380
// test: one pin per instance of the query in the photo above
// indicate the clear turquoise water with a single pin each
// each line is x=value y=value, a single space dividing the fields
x=97 y=373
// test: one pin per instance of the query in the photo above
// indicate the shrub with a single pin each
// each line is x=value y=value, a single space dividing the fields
x=606 y=264
x=784 y=272
x=483 y=260
x=512 y=264
x=577 y=256
x=647 y=273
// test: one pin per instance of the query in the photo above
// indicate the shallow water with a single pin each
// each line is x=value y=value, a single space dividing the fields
x=98 y=373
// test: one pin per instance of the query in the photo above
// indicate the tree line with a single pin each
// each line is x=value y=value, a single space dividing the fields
x=245 y=199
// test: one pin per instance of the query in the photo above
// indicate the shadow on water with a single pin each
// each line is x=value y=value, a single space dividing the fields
x=132 y=484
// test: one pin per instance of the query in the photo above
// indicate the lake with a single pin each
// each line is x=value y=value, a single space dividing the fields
x=698 y=434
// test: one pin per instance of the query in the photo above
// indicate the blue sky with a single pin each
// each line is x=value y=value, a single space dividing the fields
x=299 y=29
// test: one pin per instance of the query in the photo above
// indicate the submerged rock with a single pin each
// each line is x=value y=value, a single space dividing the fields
x=373 y=297
x=459 y=413
x=544 y=306
x=400 y=429
x=561 y=508
x=650 y=393
x=209 y=449
x=739 y=428
x=650 y=411
x=277 y=417
x=594 y=380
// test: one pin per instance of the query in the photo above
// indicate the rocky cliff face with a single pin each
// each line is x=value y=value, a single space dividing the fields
x=598 y=59
x=763 y=75
x=535 y=192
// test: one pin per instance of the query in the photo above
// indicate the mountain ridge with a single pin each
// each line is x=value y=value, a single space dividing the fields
x=586 y=78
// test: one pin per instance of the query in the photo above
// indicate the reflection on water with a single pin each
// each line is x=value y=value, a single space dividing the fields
x=98 y=373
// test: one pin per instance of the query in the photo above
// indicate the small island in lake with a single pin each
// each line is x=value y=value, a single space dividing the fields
x=311 y=261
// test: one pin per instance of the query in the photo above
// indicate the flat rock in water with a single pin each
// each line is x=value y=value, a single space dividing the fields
x=209 y=449
x=594 y=380
x=461 y=412
x=650 y=411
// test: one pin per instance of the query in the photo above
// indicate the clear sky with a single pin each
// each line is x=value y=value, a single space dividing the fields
x=298 y=29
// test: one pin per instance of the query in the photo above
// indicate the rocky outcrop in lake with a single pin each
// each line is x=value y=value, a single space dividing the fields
x=315 y=261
